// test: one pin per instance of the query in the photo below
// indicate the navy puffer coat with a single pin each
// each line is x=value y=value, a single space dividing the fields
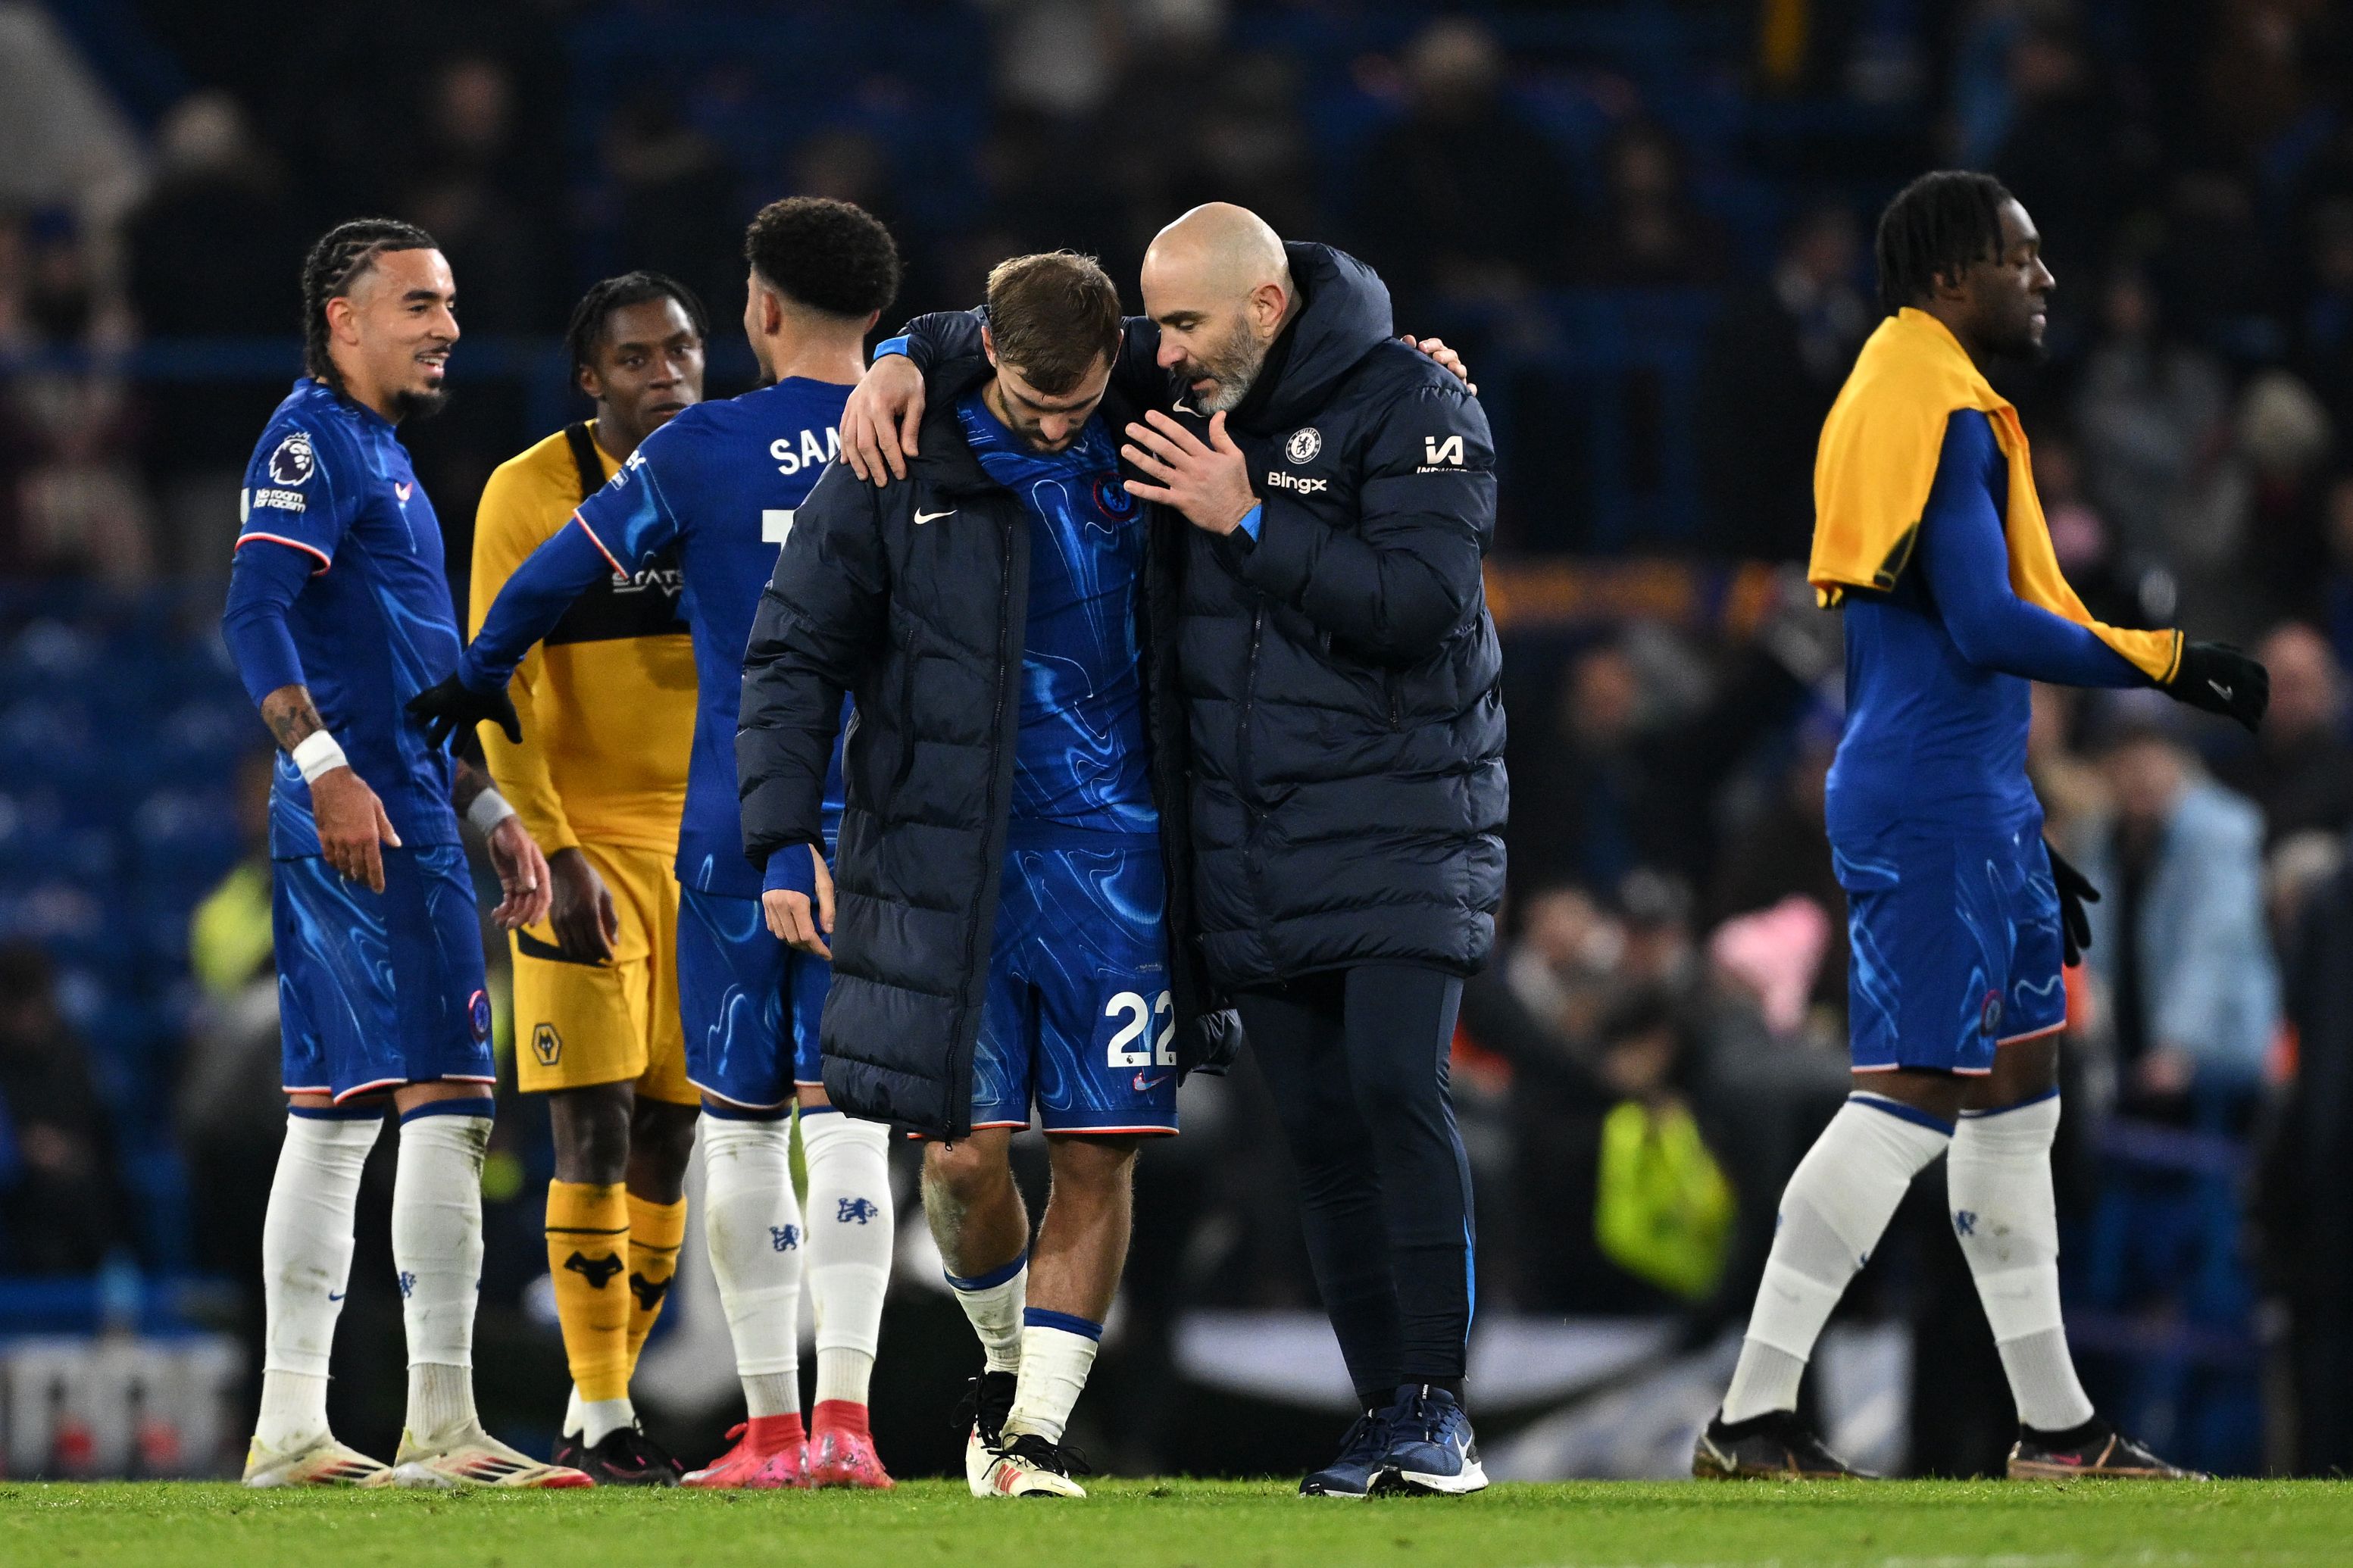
x=1340 y=676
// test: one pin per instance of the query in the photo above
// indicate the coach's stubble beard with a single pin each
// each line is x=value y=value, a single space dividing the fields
x=1233 y=364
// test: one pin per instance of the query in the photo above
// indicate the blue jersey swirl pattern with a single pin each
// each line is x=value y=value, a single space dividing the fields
x=720 y=483
x=374 y=624
x=1936 y=833
x=1080 y=760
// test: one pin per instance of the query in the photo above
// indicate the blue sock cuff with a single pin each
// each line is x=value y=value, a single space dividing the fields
x=1902 y=1112
x=2006 y=1110
x=484 y=1108
x=994 y=1278
x=746 y=1112
x=1069 y=1322
x=809 y=1111
x=337 y=1112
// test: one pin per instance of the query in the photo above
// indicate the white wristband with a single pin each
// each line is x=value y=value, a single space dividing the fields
x=317 y=753
x=490 y=809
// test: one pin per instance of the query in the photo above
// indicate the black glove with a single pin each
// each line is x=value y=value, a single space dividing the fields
x=2076 y=891
x=2221 y=679
x=451 y=707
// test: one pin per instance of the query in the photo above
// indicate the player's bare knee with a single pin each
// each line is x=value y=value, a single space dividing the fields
x=590 y=1128
x=661 y=1141
x=966 y=1173
x=1096 y=1167
x=2022 y=1070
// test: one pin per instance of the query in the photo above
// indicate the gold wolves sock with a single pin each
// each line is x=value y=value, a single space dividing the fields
x=587 y=1227
x=655 y=1233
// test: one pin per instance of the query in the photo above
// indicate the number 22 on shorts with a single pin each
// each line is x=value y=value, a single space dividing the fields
x=1124 y=1049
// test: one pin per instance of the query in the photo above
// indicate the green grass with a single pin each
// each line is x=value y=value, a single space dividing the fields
x=1137 y=1524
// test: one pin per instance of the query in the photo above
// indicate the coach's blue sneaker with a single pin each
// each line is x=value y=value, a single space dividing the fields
x=1361 y=1452
x=1430 y=1445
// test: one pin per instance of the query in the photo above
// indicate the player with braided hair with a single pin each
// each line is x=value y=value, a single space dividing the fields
x=338 y=614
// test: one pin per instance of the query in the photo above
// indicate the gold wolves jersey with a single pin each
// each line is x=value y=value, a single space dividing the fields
x=607 y=701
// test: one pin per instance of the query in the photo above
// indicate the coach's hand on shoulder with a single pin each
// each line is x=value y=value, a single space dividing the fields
x=580 y=908
x=522 y=875
x=879 y=421
x=352 y=827
x=2220 y=678
x=1446 y=359
x=452 y=706
x=800 y=909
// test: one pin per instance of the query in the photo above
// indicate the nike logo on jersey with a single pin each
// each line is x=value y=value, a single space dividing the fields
x=923 y=516
x=402 y=492
x=2221 y=690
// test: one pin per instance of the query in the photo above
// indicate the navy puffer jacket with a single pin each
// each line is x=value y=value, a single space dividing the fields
x=914 y=599
x=1341 y=675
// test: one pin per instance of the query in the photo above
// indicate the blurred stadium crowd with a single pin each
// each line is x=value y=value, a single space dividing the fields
x=1647 y=227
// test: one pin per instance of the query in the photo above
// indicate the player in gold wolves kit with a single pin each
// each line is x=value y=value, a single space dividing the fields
x=599 y=779
x=720 y=485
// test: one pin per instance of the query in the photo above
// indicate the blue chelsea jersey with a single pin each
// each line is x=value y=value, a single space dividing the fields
x=720 y=482
x=1080 y=760
x=374 y=625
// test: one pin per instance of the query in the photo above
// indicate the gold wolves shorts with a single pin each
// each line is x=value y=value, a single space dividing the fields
x=578 y=1023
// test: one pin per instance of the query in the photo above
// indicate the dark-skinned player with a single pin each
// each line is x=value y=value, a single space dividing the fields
x=599 y=778
x=1928 y=536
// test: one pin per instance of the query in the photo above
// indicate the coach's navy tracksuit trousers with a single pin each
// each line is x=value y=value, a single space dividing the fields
x=1356 y=1060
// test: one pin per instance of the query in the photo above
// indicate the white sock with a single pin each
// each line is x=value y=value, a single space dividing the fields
x=437 y=1246
x=440 y=1402
x=1833 y=1213
x=600 y=1418
x=306 y=1262
x=771 y=1392
x=842 y=1374
x=2007 y=1219
x=575 y=1423
x=994 y=1302
x=293 y=1410
x=752 y=1223
x=1055 y=1361
x=852 y=1221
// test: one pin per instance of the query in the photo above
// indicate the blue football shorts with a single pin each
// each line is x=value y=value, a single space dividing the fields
x=378 y=990
x=749 y=1003
x=1078 y=1018
x=1956 y=946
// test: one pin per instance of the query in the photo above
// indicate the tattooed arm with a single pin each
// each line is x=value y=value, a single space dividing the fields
x=352 y=826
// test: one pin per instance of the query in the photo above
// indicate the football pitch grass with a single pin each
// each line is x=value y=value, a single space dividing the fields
x=1140 y=1523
